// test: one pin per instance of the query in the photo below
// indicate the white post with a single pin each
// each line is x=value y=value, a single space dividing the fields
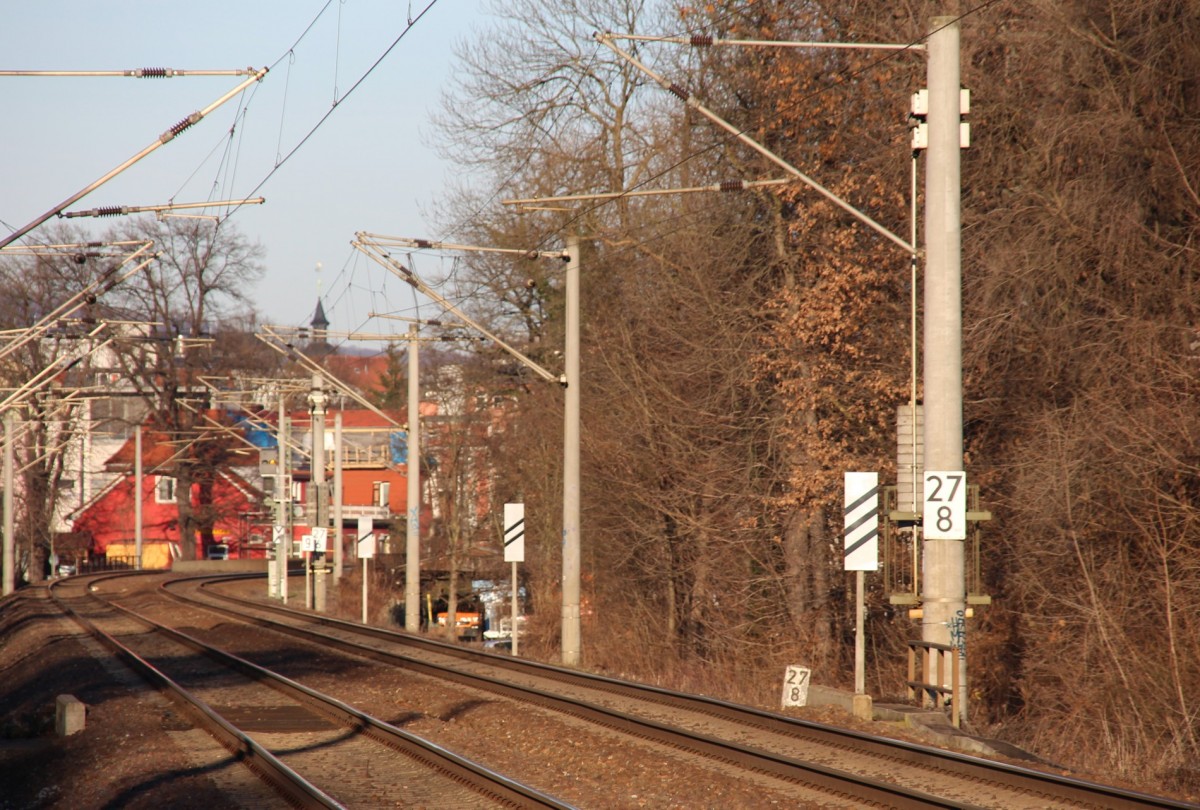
x=943 y=584
x=516 y=649
x=138 y=495
x=364 y=597
x=571 y=632
x=364 y=548
x=860 y=634
x=273 y=552
x=412 y=540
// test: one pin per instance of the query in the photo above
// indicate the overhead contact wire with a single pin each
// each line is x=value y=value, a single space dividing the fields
x=839 y=79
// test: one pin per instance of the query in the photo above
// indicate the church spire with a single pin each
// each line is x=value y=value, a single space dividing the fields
x=319 y=344
x=319 y=322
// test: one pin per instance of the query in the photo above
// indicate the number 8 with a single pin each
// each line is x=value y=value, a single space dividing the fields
x=945 y=521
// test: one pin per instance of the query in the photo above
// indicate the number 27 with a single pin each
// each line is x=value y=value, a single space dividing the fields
x=937 y=487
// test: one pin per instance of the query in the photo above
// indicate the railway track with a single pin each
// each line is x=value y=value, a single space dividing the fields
x=837 y=762
x=310 y=748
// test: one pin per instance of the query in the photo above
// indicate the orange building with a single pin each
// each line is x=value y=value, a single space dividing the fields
x=374 y=474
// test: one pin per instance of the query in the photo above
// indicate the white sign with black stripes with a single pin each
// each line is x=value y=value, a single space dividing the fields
x=514 y=532
x=861 y=537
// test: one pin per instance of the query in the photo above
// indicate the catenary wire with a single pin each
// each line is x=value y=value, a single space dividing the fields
x=840 y=78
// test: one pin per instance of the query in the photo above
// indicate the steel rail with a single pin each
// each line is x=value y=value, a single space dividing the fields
x=1014 y=777
x=460 y=769
x=795 y=771
x=293 y=787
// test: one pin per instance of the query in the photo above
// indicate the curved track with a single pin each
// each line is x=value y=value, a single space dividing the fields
x=310 y=764
x=872 y=770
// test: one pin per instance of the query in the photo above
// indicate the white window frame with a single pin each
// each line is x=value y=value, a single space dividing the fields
x=165 y=483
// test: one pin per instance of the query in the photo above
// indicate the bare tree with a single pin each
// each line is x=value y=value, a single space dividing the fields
x=205 y=273
x=740 y=357
x=47 y=420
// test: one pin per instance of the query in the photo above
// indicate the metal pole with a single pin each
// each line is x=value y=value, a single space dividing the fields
x=516 y=648
x=943 y=582
x=570 y=529
x=9 y=572
x=138 y=484
x=320 y=515
x=364 y=586
x=284 y=501
x=860 y=635
x=338 y=542
x=412 y=538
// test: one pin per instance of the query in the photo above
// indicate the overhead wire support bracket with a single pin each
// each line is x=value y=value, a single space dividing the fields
x=373 y=247
x=78 y=250
x=164 y=138
x=607 y=40
x=708 y=41
x=304 y=332
x=427 y=244
x=123 y=210
x=136 y=73
x=442 y=338
x=724 y=186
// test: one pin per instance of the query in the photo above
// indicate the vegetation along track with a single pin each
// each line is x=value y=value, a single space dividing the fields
x=309 y=747
x=872 y=769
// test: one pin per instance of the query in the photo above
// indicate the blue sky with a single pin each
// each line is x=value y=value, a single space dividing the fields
x=368 y=167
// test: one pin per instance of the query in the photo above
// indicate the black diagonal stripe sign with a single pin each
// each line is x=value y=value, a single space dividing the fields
x=861 y=536
x=514 y=532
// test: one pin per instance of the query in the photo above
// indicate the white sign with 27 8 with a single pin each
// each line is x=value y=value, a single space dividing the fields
x=945 y=510
x=795 y=686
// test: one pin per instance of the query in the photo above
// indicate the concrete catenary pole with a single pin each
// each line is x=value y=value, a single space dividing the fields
x=412 y=537
x=283 y=500
x=139 y=480
x=320 y=513
x=943 y=598
x=9 y=565
x=571 y=634
x=338 y=542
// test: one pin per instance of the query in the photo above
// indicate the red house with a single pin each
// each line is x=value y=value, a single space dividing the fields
x=225 y=508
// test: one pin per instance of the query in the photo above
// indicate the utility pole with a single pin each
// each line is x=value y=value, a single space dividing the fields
x=375 y=247
x=943 y=582
x=338 y=551
x=138 y=482
x=412 y=536
x=320 y=512
x=571 y=630
x=9 y=564
x=283 y=500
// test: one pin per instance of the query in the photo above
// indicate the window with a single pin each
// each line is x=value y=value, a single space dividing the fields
x=164 y=489
x=382 y=493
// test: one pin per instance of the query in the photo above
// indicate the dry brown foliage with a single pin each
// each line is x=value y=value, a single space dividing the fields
x=742 y=354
